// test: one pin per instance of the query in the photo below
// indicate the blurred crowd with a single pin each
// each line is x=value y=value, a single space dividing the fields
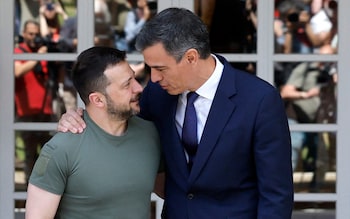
x=308 y=88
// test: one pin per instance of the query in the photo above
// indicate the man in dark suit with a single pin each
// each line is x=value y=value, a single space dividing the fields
x=241 y=164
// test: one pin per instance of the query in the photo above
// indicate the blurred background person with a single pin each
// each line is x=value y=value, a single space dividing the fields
x=304 y=26
x=104 y=34
x=239 y=33
x=301 y=94
x=50 y=24
x=33 y=98
x=69 y=37
x=24 y=10
x=205 y=10
x=291 y=17
x=322 y=25
x=51 y=17
x=119 y=10
x=137 y=16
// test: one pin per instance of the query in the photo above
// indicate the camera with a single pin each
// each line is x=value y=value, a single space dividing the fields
x=40 y=41
x=51 y=45
x=293 y=17
x=325 y=74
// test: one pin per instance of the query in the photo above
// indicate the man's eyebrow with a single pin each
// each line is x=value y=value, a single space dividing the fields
x=157 y=66
x=129 y=79
x=125 y=82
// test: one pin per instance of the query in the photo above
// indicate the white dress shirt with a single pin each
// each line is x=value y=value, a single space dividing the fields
x=203 y=103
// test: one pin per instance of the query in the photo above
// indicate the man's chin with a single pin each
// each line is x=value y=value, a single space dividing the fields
x=173 y=92
x=135 y=110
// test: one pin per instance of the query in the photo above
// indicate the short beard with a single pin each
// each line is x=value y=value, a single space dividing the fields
x=115 y=113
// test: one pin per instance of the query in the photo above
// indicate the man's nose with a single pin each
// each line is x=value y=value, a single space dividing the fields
x=138 y=87
x=155 y=76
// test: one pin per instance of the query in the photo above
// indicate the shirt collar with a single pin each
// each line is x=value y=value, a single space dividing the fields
x=208 y=89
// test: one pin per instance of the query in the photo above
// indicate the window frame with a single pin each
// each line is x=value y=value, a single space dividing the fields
x=264 y=58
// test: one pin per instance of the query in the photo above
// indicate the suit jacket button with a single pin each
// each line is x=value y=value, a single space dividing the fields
x=190 y=196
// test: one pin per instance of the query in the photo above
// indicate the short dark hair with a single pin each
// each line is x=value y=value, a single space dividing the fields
x=88 y=71
x=30 y=21
x=178 y=29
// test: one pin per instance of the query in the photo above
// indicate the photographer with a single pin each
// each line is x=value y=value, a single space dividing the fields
x=295 y=16
x=308 y=26
x=32 y=98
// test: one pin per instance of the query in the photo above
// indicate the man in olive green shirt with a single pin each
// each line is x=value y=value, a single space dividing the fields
x=109 y=170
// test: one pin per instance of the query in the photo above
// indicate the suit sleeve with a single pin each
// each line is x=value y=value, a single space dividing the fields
x=272 y=152
x=144 y=113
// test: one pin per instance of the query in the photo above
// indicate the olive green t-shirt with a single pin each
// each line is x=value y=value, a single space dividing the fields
x=100 y=175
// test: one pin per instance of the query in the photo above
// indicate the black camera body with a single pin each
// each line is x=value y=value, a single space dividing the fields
x=51 y=45
x=46 y=41
x=325 y=74
x=293 y=17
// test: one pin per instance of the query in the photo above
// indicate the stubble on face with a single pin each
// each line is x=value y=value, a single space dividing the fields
x=122 y=111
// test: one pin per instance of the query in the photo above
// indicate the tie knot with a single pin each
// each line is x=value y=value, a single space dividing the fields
x=191 y=97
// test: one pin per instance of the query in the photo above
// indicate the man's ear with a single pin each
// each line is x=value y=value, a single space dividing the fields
x=97 y=99
x=191 y=56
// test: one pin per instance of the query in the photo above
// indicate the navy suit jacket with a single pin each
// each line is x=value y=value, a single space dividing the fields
x=243 y=163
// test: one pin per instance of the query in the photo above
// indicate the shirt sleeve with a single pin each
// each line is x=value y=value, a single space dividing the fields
x=51 y=170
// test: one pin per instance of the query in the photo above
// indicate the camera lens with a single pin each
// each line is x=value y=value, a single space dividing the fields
x=293 y=17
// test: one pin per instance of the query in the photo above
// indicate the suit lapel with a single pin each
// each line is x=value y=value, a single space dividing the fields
x=220 y=112
x=173 y=146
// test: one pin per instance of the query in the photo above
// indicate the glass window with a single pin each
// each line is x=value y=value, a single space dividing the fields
x=27 y=148
x=309 y=90
x=232 y=24
x=117 y=23
x=249 y=67
x=43 y=90
x=314 y=161
x=314 y=210
x=19 y=209
x=56 y=21
x=306 y=26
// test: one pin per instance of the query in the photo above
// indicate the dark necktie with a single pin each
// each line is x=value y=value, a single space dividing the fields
x=189 y=129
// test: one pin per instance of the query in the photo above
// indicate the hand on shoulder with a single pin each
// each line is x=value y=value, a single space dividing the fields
x=72 y=121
